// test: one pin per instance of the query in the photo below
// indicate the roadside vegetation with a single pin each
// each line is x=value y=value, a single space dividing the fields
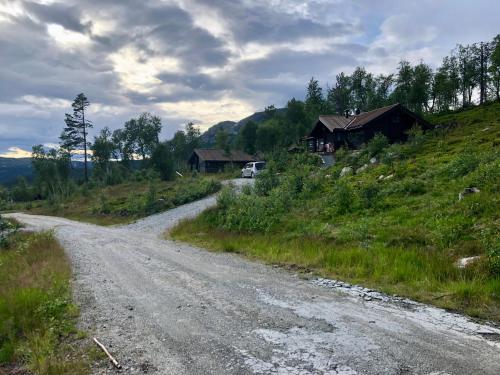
x=37 y=318
x=132 y=174
x=145 y=194
x=394 y=223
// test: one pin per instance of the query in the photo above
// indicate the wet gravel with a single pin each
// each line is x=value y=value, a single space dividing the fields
x=164 y=307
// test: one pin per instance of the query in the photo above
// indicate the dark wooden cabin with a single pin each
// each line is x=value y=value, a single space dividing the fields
x=214 y=160
x=333 y=131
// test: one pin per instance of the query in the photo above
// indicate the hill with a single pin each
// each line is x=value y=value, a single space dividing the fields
x=401 y=224
x=11 y=169
x=232 y=128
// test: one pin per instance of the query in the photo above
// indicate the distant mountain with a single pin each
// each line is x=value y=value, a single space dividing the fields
x=232 y=128
x=11 y=169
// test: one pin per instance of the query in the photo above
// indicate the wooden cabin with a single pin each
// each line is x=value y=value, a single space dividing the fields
x=333 y=131
x=214 y=160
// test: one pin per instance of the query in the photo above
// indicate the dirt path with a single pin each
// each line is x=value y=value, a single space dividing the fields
x=164 y=307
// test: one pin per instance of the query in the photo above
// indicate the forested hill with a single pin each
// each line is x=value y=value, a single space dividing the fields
x=232 y=128
x=11 y=168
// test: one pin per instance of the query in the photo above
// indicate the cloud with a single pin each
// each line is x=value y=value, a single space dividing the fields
x=203 y=60
x=16 y=153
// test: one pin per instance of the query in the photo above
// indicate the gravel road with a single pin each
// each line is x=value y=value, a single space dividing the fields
x=164 y=307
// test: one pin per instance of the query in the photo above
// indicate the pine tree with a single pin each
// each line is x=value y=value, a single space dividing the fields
x=74 y=135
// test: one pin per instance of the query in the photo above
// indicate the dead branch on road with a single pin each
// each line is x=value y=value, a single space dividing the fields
x=114 y=361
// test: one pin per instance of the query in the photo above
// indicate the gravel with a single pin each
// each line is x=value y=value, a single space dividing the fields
x=164 y=307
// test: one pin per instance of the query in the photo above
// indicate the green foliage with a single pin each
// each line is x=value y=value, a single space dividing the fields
x=403 y=234
x=7 y=230
x=464 y=163
x=377 y=144
x=36 y=313
x=222 y=141
x=141 y=135
x=74 y=135
x=52 y=172
x=341 y=199
x=163 y=162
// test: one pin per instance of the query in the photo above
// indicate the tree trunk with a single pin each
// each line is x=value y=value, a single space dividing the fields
x=85 y=146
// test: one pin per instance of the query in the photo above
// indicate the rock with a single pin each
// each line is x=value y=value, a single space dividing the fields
x=381 y=177
x=362 y=169
x=388 y=177
x=485 y=129
x=345 y=171
x=467 y=191
x=464 y=262
x=373 y=160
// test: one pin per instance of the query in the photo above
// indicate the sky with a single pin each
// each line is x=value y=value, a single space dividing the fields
x=204 y=61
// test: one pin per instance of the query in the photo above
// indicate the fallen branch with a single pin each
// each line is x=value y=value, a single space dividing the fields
x=114 y=361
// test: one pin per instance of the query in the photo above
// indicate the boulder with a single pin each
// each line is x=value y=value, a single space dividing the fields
x=467 y=191
x=362 y=169
x=373 y=160
x=388 y=177
x=465 y=262
x=345 y=171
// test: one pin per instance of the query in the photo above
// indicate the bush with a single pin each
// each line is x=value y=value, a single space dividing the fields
x=370 y=195
x=267 y=180
x=7 y=228
x=377 y=144
x=341 y=199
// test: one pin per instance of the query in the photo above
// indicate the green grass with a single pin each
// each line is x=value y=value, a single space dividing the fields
x=402 y=235
x=37 y=317
x=126 y=202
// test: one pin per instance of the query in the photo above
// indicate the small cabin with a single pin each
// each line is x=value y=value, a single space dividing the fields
x=211 y=160
x=333 y=131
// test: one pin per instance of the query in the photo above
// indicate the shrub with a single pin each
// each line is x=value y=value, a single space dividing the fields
x=494 y=257
x=377 y=144
x=267 y=180
x=341 y=199
x=7 y=228
x=487 y=176
x=370 y=195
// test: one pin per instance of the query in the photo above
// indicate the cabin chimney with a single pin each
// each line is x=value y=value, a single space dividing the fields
x=346 y=113
x=357 y=111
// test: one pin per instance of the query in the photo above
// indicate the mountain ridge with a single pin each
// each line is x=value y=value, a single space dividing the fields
x=232 y=127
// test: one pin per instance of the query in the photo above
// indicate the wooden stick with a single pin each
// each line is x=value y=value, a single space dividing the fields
x=114 y=361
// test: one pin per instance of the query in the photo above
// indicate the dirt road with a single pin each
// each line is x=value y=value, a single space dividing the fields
x=164 y=307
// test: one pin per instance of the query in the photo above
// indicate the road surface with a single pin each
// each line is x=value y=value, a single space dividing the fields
x=164 y=307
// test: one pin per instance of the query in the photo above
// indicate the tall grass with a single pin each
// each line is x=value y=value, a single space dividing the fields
x=37 y=317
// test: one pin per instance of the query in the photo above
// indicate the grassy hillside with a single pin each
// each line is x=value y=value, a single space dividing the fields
x=37 y=319
x=124 y=202
x=396 y=225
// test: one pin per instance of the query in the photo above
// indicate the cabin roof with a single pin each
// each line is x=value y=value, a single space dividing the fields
x=212 y=154
x=353 y=121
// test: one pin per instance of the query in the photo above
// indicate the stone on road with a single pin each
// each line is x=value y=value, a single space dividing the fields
x=164 y=307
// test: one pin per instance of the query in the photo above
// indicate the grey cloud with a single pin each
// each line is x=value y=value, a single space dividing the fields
x=66 y=16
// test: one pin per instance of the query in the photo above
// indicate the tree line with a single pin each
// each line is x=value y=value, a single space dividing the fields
x=469 y=71
x=115 y=155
